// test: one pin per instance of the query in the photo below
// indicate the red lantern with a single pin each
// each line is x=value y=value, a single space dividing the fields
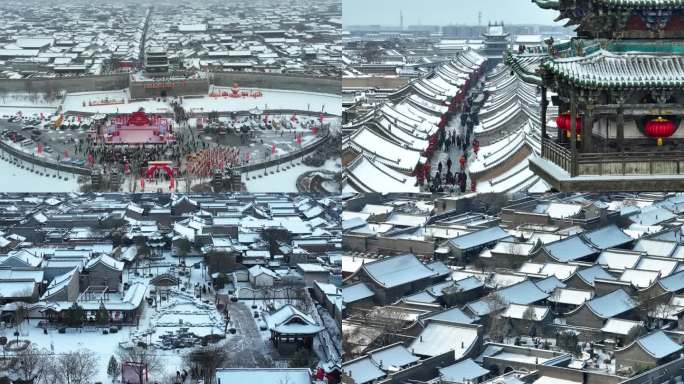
x=563 y=122
x=659 y=128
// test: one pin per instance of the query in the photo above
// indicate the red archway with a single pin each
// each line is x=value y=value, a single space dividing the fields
x=165 y=166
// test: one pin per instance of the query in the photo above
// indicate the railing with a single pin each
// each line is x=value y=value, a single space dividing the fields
x=31 y=158
x=662 y=162
x=631 y=163
x=290 y=156
x=558 y=154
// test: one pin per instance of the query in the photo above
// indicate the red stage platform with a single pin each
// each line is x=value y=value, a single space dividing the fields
x=135 y=136
x=137 y=129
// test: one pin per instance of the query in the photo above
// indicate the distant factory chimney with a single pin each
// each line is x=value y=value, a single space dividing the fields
x=401 y=20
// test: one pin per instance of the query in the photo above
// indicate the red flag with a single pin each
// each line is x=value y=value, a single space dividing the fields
x=273 y=149
x=142 y=183
x=66 y=153
x=40 y=149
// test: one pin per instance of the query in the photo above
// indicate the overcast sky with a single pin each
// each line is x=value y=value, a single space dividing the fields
x=443 y=12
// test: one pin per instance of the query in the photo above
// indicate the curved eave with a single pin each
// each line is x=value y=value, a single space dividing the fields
x=644 y=4
x=594 y=84
x=526 y=76
x=547 y=4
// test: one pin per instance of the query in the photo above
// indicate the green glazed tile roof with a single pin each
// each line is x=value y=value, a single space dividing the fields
x=603 y=69
x=558 y=4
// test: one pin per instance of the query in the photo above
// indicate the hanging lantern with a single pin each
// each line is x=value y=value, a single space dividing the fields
x=563 y=122
x=659 y=128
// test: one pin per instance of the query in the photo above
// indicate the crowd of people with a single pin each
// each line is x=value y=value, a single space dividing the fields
x=448 y=177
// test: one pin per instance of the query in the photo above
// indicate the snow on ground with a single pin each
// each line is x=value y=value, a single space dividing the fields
x=15 y=179
x=28 y=100
x=6 y=110
x=102 y=346
x=271 y=99
x=283 y=181
x=73 y=102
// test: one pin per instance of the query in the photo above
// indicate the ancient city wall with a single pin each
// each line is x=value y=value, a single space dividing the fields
x=69 y=84
x=197 y=86
x=277 y=81
x=151 y=89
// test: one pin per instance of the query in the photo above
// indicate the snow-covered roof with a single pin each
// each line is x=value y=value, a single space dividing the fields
x=263 y=375
x=618 y=259
x=312 y=268
x=479 y=238
x=560 y=270
x=397 y=270
x=673 y=283
x=453 y=315
x=513 y=248
x=571 y=296
x=550 y=284
x=58 y=283
x=526 y=292
x=639 y=278
x=393 y=357
x=290 y=320
x=569 y=249
x=438 y=338
x=421 y=297
x=611 y=304
x=466 y=370
x=24 y=257
x=517 y=311
x=588 y=275
x=16 y=288
x=362 y=370
x=355 y=292
x=562 y=210
x=664 y=266
x=620 y=326
x=657 y=344
x=655 y=247
x=21 y=274
x=607 y=237
x=259 y=270
x=107 y=261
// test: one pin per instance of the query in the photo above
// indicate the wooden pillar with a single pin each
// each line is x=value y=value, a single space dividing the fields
x=544 y=106
x=587 y=130
x=573 y=134
x=621 y=129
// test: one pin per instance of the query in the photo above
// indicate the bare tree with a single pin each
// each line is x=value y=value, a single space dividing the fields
x=208 y=359
x=76 y=367
x=32 y=365
x=496 y=325
x=20 y=315
x=141 y=360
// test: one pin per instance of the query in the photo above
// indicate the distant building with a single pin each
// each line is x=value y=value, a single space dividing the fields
x=156 y=61
x=496 y=43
